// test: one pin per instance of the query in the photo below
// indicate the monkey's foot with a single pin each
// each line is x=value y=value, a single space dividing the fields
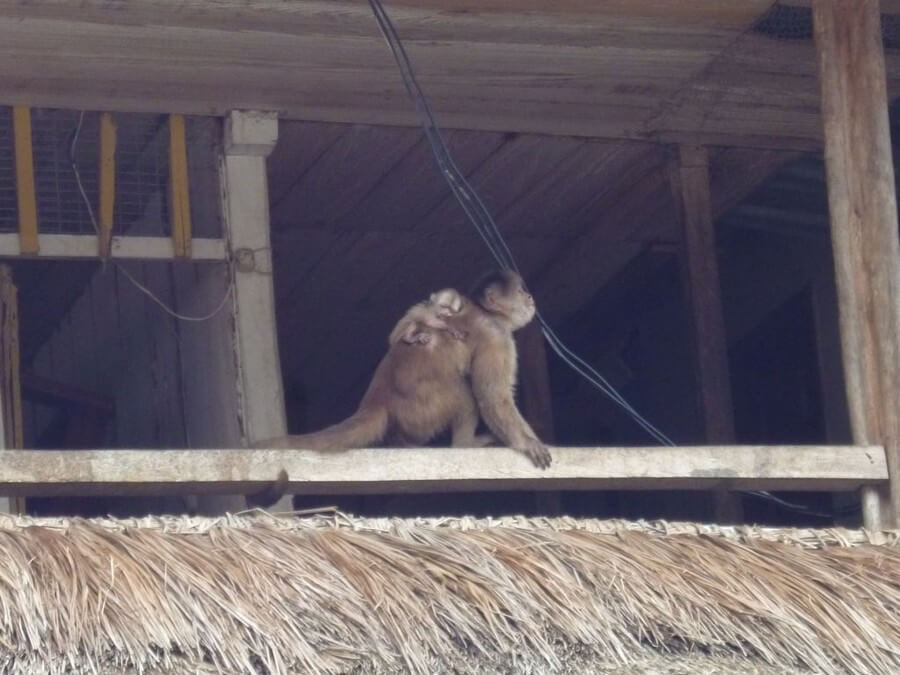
x=457 y=334
x=537 y=452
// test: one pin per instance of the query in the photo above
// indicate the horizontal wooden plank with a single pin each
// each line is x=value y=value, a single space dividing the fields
x=604 y=70
x=372 y=470
x=351 y=16
x=71 y=246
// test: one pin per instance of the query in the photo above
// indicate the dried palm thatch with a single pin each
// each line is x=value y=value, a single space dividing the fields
x=330 y=594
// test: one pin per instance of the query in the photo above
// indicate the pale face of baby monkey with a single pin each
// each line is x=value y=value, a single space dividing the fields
x=421 y=320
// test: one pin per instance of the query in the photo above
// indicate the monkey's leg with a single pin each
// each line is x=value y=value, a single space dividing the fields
x=465 y=422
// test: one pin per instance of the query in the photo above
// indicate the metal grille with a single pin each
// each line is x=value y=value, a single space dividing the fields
x=8 y=213
x=204 y=134
x=142 y=173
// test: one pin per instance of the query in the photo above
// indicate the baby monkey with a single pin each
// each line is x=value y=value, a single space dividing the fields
x=431 y=313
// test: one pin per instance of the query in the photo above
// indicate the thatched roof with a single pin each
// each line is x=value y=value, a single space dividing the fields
x=331 y=594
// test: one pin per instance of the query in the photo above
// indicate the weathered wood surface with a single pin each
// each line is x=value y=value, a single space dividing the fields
x=73 y=246
x=249 y=138
x=690 y=182
x=370 y=470
x=691 y=192
x=688 y=72
x=863 y=209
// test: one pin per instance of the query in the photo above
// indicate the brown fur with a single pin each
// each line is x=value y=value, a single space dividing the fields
x=416 y=393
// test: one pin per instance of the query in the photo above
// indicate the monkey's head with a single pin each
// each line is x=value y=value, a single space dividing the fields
x=447 y=302
x=503 y=294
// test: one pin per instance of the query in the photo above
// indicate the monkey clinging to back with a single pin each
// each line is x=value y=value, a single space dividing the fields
x=413 y=327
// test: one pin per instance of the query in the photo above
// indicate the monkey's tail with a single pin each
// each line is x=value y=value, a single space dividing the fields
x=363 y=428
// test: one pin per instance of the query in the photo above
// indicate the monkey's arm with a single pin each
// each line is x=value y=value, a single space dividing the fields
x=493 y=378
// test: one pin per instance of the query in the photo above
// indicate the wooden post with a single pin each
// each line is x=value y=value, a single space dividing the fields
x=11 y=425
x=534 y=379
x=25 y=191
x=537 y=405
x=180 y=201
x=691 y=192
x=249 y=138
x=863 y=207
x=107 y=183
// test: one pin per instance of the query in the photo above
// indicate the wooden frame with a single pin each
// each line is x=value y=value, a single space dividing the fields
x=73 y=246
x=864 y=229
x=126 y=472
x=25 y=190
x=867 y=258
x=107 y=183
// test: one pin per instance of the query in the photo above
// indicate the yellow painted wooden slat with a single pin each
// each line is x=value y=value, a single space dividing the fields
x=107 y=181
x=27 y=203
x=178 y=175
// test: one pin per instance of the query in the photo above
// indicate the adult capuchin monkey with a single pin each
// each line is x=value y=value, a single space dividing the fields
x=420 y=389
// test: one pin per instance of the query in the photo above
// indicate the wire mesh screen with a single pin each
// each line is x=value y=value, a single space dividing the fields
x=8 y=215
x=204 y=134
x=61 y=207
x=142 y=173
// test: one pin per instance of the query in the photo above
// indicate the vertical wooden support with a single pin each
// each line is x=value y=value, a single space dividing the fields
x=863 y=207
x=180 y=189
x=249 y=138
x=25 y=192
x=534 y=379
x=537 y=405
x=689 y=176
x=107 y=182
x=11 y=423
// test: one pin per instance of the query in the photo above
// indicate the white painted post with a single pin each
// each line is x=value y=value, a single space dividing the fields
x=249 y=138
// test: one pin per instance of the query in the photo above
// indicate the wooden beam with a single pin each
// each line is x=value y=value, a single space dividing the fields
x=74 y=246
x=537 y=401
x=180 y=201
x=534 y=377
x=249 y=138
x=691 y=193
x=25 y=192
x=863 y=209
x=107 y=182
x=11 y=422
x=485 y=68
x=89 y=472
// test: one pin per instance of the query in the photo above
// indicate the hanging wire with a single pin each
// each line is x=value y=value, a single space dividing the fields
x=484 y=224
x=137 y=284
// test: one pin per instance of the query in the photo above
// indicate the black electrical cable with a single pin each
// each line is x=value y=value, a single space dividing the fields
x=484 y=224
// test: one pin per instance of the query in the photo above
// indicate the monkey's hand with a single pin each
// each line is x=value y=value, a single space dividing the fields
x=536 y=451
x=456 y=334
x=418 y=338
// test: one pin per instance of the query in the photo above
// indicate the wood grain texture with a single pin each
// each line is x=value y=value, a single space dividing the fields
x=864 y=230
x=445 y=469
x=637 y=70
